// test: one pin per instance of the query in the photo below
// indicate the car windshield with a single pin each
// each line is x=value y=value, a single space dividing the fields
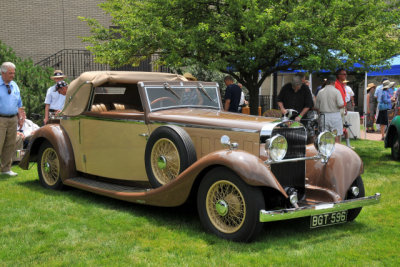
x=183 y=95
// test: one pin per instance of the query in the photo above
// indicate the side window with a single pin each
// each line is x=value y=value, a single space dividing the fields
x=116 y=97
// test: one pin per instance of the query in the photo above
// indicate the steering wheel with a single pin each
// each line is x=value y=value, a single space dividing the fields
x=164 y=98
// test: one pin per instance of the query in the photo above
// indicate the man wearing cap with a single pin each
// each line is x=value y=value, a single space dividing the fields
x=329 y=101
x=55 y=99
x=58 y=76
x=10 y=109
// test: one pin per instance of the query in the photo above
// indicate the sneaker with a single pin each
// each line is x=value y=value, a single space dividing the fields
x=10 y=173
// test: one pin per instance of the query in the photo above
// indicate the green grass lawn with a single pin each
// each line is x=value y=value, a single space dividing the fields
x=78 y=228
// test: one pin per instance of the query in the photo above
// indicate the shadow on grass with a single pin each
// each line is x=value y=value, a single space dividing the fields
x=285 y=234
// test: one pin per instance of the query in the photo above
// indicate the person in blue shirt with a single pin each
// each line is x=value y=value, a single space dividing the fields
x=384 y=105
x=377 y=95
x=10 y=110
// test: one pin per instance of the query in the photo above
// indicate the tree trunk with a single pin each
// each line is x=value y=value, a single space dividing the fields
x=254 y=99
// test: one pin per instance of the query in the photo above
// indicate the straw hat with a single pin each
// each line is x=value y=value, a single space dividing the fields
x=370 y=85
x=385 y=83
x=58 y=74
x=392 y=84
x=189 y=76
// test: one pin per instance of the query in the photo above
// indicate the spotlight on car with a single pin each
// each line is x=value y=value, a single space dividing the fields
x=276 y=147
x=226 y=142
x=325 y=144
x=355 y=190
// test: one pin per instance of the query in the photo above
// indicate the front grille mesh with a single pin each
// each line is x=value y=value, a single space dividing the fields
x=292 y=173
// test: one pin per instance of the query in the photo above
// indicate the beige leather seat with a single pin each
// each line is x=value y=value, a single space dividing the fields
x=95 y=108
x=103 y=107
x=99 y=107
x=118 y=106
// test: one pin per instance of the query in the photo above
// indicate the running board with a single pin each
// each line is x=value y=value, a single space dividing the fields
x=96 y=186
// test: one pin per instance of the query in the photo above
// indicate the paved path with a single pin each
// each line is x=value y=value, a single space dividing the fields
x=370 y=136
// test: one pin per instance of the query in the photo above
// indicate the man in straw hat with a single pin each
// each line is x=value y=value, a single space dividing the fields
x=52 y=96
x=371 y=107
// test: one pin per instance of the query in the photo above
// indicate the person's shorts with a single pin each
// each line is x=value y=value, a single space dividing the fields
x=332 y=121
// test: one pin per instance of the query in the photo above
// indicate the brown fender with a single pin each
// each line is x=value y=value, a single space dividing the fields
x=57 y=137
x=338 y=174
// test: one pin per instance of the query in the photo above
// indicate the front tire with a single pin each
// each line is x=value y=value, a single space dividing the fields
x=395 y=147
x=228 y=207
x=49 y=167
x=353 y=213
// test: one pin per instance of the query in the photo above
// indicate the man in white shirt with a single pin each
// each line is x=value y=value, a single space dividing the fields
x=55 y=99
x=349 y=97
x=58 y=76
x=243 y=100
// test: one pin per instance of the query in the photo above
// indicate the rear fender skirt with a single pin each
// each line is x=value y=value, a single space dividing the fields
x=57 y=137
x=338 y=174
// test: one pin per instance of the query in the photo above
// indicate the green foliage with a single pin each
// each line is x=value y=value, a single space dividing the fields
x=241 y=37
x=32 y=80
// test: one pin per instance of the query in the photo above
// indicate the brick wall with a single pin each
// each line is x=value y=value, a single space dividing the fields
x=39 y=28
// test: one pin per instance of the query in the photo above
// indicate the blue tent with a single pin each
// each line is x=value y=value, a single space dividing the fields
x=393 y=70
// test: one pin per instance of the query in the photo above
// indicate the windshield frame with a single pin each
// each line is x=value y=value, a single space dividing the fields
x=175 y=88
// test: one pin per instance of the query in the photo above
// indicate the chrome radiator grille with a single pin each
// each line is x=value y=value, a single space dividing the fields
x=292 y=173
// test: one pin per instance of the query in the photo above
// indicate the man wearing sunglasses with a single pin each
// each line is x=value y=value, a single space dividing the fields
x=10 y=104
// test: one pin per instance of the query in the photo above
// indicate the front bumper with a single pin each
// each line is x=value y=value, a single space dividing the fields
x=286 y=214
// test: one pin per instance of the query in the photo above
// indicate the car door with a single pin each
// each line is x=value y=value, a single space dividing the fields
x=114 y=138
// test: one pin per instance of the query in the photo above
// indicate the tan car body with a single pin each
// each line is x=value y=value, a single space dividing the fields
x=92 y=151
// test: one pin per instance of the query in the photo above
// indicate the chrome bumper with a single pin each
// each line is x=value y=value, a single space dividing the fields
x=286 y=214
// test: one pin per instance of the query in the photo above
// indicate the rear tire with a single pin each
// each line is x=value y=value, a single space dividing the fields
x=228 y=207
x=353 y=213
x=49 y=167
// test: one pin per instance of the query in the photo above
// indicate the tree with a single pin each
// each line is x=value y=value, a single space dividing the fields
x=241 y=37
x=32 y=81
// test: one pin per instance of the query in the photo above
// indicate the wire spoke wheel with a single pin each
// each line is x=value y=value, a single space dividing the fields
x=165 y=160
x=169 y=151
x=226 y=206
x=50 y=166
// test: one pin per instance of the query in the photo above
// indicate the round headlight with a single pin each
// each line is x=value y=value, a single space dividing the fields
x=325 y=144
x=276 y=147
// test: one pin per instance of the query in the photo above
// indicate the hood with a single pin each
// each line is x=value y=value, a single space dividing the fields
x=212 y=118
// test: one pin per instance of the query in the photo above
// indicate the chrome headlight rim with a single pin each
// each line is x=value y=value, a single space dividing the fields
x=325 y=144
x=276 y=147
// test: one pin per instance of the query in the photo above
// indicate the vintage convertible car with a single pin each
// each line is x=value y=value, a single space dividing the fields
x=158 y=139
